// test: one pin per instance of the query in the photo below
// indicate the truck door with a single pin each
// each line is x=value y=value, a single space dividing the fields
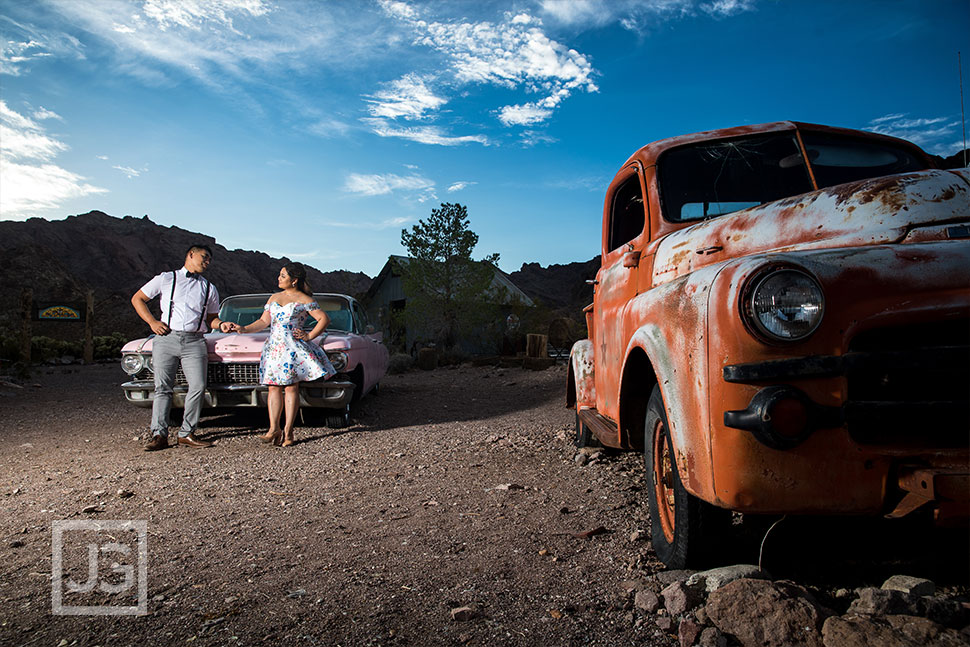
x=624 y=236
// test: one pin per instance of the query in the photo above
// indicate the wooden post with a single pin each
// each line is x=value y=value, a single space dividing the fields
x=89 y=329
x=27 y=311
x=535 y=345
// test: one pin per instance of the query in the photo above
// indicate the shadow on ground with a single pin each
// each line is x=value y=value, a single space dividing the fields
x=841 y=551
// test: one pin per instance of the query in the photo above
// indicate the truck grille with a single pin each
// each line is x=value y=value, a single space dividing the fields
x=913 y=389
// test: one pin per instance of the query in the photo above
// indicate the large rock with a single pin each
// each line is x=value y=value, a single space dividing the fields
x=679 y=598
x=889 y=631
x=873 y=601
x=688 y=632
x=767 y=614
x=715 y=578
x=909 y=584
x=883 y=602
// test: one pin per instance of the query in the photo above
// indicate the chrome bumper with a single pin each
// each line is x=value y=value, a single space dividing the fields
x=325 y=394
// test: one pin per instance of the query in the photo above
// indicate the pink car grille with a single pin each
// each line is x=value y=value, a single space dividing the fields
x=222 y=374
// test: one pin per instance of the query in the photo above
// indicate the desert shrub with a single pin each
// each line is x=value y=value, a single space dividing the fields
x=109 y=346
x=399 y=363
x=45 y=348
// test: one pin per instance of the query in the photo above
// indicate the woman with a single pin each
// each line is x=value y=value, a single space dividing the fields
x=288 y=356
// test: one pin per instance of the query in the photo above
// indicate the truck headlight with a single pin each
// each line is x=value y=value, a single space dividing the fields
x=338 y=358
x=132 y=363
x=784 y=304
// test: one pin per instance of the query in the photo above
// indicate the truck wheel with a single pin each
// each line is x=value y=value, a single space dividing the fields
x=683 y=528
x=584 y=437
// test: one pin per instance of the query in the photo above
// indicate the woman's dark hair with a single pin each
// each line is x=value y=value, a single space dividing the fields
x=297 y=272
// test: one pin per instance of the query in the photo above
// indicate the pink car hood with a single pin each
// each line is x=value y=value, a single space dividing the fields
x=241 y=348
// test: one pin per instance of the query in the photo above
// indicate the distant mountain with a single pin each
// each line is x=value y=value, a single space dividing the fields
x=561 y=288
x=957 y=160
x=61 y=260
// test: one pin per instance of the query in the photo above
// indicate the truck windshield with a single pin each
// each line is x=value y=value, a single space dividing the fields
x=710 y=179
x=247 y=309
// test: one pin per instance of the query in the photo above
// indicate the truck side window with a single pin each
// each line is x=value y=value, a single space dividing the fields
x=626 y=213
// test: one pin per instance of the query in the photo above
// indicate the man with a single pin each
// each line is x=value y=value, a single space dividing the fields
x=189 y=305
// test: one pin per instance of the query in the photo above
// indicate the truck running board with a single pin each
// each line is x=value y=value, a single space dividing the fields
x=602 y=427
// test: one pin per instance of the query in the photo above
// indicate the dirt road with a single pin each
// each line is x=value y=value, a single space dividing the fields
x=451 y=512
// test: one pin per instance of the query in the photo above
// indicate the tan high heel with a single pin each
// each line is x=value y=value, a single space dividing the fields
x=288 y=440
x=272 y=437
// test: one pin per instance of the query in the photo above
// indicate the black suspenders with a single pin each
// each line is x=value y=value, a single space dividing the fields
x=171 y=303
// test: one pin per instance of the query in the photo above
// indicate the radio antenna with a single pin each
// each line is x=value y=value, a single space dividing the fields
x=963 y=118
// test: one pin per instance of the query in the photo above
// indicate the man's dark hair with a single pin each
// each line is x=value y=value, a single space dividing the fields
x=198 y=247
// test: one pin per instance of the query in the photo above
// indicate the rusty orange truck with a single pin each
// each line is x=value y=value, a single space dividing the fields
x=781 y=323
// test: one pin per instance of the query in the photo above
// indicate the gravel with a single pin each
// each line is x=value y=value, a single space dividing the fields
x=452 y=511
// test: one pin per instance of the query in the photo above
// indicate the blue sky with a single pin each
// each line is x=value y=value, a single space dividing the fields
x=318 y=130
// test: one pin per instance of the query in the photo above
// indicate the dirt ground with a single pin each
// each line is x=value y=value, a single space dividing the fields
x=452 y=488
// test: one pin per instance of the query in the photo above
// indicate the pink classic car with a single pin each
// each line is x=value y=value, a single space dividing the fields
x=353 y=346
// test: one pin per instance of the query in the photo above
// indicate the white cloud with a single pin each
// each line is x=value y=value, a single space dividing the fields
x=532 y=137
x=226 y=44
x=932 y=134
x=524 y=115
x=23 y=45
x=372 y=226
x=31 y=181
x=329 y=128
x=372 y=185
x=513 y=53
x=726 y=8
x=130 y=172
x=458 y=186
x=195 y=14
x=43 y=113
x=408 y=97
x=423 y=134
x=637 y=15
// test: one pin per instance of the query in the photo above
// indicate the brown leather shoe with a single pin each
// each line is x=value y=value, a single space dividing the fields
x=157 y=442
x=192 y=441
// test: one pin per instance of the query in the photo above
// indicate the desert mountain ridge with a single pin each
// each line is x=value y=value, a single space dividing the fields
x=60 y=260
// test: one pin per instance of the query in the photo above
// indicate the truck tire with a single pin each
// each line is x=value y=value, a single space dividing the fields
x=684 y=529
x=584 y=437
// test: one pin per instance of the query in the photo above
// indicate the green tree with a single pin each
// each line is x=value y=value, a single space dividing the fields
x=446 y=288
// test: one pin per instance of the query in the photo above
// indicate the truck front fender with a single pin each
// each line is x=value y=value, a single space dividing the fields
x=581 y=391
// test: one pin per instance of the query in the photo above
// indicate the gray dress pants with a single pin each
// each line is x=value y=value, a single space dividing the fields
x=167 y=351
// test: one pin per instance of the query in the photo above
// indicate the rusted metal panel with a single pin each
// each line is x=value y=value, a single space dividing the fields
x=669 y=323
x=871 y=212
x=866 y=289
x=581 y=362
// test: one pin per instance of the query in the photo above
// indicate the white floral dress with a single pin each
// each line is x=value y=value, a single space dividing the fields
x=285 y=359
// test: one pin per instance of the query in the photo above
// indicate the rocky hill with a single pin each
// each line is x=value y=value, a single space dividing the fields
x=561 y=288
x=61 y=260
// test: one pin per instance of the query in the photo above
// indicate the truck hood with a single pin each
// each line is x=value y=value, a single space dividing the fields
x=910 y=207
x=232 y=347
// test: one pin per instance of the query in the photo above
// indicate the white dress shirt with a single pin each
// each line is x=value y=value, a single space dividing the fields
x=187 y=311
